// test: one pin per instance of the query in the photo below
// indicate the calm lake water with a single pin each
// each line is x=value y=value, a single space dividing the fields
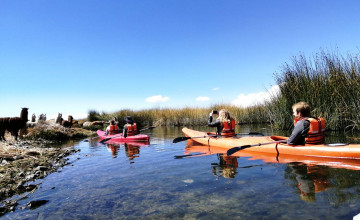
x=148 y=182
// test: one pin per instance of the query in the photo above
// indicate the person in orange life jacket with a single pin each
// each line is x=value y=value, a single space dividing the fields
x=130 y=128
x=225 y=124
x=112 y=128
x=307 y=129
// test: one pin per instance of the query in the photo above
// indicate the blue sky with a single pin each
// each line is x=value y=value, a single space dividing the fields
x=73 y=56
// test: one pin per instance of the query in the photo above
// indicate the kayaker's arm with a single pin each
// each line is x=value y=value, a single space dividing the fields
x=125 y=131
x=299 y=133
x=213 y=123
x=216 y=124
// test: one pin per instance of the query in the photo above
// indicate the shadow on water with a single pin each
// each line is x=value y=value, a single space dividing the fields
x=147 y=181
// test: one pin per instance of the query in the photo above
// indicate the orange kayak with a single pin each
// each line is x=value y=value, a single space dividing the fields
x=348 y=151
x=194 y=149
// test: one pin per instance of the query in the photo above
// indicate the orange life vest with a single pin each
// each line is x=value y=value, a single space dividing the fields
x=132 y=130
x=320 y=177
x=230 y=161
x=316 y=134
x=228 y=129
x=113 y=129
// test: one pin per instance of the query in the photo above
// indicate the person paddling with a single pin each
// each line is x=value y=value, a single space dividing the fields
x=112 y=128
x=130 y=128
x=308 y=129
x=225 y=124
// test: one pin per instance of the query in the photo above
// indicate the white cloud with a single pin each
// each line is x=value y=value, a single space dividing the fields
x=157 y=98
x=202 y=98
x=256 y=98
x=215 y=89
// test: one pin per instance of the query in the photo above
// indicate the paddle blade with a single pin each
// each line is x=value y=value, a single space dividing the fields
x=188 y=155
x=178 y=139
x=104 y=140
x=233 y=150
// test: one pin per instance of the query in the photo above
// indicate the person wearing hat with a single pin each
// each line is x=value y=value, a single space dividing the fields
x=130 y=127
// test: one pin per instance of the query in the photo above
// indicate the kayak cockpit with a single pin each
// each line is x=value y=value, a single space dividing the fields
x=278 y=138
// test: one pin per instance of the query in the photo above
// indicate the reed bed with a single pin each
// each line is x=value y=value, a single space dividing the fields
x=329 y=82
x=187 y=116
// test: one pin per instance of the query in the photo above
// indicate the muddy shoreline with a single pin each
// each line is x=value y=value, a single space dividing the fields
x=26 y=160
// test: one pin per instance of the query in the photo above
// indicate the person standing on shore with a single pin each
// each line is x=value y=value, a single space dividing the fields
x=225 y=124
x=307 y=129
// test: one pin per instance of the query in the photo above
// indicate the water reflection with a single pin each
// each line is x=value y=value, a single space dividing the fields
x=114 y=149
x=310 y=179
x=132 y=149
x=338 y=186
x=226 y=167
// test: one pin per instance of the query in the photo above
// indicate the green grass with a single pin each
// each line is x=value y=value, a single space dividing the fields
x=329 y=82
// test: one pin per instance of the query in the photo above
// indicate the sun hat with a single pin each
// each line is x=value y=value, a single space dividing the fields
x=128 y=120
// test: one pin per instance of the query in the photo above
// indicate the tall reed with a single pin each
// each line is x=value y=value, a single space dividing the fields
x=330 y=83
x=183 y=116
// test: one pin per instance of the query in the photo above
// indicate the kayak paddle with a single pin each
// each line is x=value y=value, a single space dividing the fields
x=236 y=149
x=188 y=155
x=179 y=139
x=106 y=139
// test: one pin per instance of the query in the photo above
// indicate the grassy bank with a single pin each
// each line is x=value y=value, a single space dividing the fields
x=328 y=81
x=49 y=131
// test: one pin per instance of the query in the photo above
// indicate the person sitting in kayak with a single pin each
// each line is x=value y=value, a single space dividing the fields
x=130 y=128
x=308 y=129
x=112 y=128
x=225 y=124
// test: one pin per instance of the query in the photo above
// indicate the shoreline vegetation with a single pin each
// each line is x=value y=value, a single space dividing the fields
x=41 y=151
x=329 y=82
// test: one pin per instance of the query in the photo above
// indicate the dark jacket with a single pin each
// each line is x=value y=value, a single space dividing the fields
x=216 y=124
x=299 y=133
x=125 y=129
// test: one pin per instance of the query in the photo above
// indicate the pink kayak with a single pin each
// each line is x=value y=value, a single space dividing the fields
x=120 y=138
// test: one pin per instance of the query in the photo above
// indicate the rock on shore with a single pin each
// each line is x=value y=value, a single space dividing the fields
x=28 y=159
